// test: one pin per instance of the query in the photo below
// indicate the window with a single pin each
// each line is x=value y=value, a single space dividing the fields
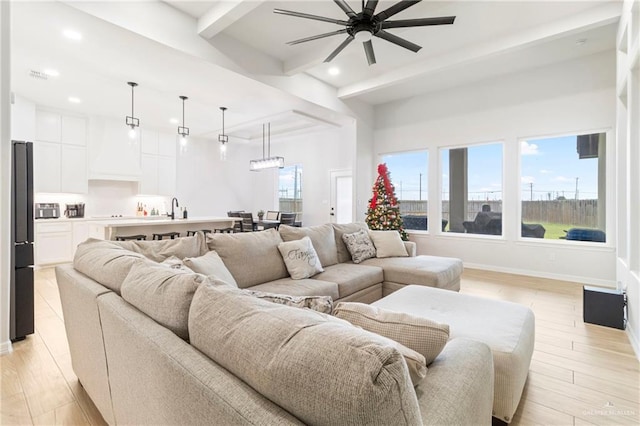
x=472 y=189
x=564 y=187
x=408 y=172
x=290 y=189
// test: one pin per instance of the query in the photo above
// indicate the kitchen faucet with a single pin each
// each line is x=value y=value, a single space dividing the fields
x=173 y=214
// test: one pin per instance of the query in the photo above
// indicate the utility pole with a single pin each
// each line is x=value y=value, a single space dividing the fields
x=577 y=187
x=401 y=190
x=420 y=188
x=531 y=190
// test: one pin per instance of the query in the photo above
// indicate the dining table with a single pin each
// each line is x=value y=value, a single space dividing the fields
x=267 y=223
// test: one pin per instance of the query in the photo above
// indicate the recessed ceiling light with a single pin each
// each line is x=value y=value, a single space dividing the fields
x=334 y=71
x=51 y=72
x=74 y=100
x=72 y=34
x=173 y=120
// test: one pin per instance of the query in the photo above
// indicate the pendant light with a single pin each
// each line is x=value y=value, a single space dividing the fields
x=222 y=138
x=182 y=130
x=267 y=161
x=132 y=121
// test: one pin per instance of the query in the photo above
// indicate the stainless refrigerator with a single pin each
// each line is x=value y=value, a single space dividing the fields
x=22 y=321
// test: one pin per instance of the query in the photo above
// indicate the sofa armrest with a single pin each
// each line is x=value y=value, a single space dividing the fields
x=411 y=248
x=458 y=388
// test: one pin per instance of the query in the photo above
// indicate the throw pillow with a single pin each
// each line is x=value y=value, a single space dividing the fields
x=176 y=264
x=359 y=245
x=423 y=335
x=322 y=304
x=416 y=363
x=388 y=244
x=300 y=258
x=212 y=266
x=163 y=294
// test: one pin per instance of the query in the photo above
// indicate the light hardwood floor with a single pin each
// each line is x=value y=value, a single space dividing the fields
x=580 y=374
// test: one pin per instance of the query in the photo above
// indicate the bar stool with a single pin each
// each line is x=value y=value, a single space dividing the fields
x=138 y=237
x=224 y=231
x=205 y=231
x=172 y=235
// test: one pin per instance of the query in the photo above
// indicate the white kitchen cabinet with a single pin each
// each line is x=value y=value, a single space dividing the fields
x=46 y=165
x=48 y=125
x=73 y=130
x=80 y=230
x=112 y=154
x=53 y=243
x=23 y=119
x=73 y=169
x=167 y=144
x=149 y=180
x=166 y=176
x=149 y=142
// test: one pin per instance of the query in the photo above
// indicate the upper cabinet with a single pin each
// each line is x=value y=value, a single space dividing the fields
x=60 y=153
x=112 y=154
x=158 y=163
x=23 y=119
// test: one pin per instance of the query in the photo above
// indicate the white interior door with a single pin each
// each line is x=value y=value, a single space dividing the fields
x=341 y=210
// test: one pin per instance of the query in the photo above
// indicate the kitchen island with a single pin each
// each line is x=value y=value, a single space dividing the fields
x=109 y=229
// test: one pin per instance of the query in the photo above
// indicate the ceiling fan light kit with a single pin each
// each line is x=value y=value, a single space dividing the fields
x=363 y=26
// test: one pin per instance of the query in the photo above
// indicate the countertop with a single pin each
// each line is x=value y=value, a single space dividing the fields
x=157 y=220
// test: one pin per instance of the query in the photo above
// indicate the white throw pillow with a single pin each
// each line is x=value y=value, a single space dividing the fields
x=388 y=244
x=212 y=266
x=300 y=258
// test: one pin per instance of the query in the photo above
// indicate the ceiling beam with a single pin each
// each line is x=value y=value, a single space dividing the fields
x=223 y=14
x=591 y=18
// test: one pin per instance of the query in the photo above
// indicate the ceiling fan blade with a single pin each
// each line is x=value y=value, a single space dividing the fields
x=316 y=37
x=339 y=49
x=308 y=16
x=369 y=8
x=345 y=8
x=397 y=40
x=423 y=22
x=396 y=8
x=368 y=50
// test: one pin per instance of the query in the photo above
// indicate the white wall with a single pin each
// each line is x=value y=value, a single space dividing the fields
x=573 y=96
x=5 y=176
x=318 y=152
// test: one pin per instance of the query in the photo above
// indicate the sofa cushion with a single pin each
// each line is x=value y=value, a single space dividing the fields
x=420 y=334
x=322 y=238
x=322 y=304
x=162 y=293
x=359 y=245
x=388 y=244
x=432 y=271
x=251 y=257
x=351 y=278
x=176 y=264
x=212 y=266
x=320 y=369
x=345 y=228
x=306 y=287
x=159 y=250
x=300 y=258
x=105 y=262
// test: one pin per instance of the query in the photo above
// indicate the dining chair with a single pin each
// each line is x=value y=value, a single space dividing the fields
x=247 y=224
x=287 y=219
x=237 y=226
x=272 y=215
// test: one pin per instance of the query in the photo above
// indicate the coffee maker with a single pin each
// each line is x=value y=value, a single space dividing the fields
x=74 y=210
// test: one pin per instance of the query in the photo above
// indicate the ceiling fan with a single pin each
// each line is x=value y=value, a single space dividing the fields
x=365 y=25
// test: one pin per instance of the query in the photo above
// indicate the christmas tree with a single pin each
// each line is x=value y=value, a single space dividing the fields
x=383 y=212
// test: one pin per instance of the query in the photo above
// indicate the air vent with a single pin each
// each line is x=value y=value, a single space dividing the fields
x=38 y=74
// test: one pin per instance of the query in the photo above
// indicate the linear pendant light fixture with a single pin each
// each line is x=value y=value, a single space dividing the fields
x=222 y=138
x=267 y=162
x=132 y=121
x=182 y=130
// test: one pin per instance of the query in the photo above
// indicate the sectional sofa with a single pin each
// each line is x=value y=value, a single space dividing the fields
x=205 y=353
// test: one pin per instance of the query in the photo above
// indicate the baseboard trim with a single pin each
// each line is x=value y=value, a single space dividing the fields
x=6 y=348
x=538 y=274
x=634 y=341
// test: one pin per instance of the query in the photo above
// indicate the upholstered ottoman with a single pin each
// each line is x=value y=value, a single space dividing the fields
x=507 y=328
